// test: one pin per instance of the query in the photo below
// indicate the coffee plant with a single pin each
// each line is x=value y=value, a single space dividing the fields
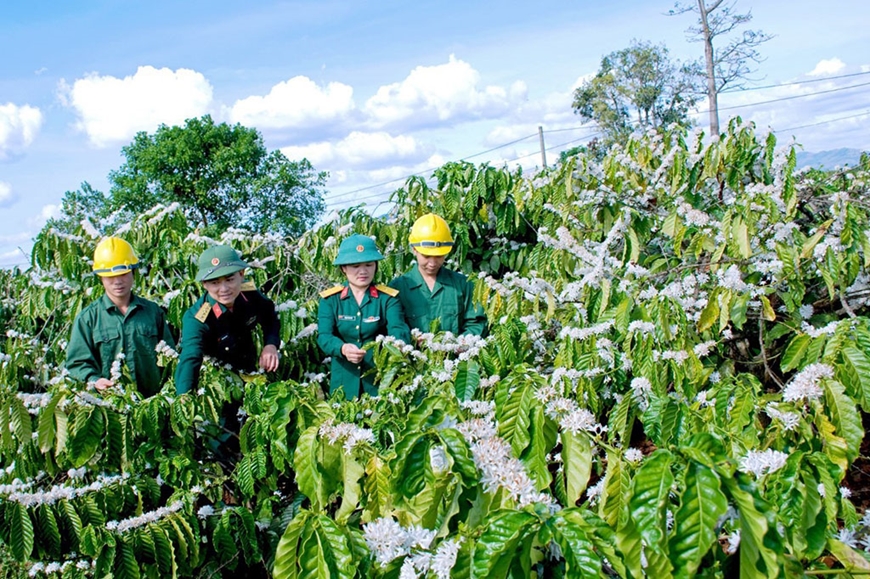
x=673 y=385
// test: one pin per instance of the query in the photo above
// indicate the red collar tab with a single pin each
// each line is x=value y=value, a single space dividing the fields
x=242 y=295
x=344 y=292
x=217 y=310
x=373 y=291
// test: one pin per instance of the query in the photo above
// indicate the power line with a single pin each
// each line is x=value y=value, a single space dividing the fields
x=425 y=171
x=788 y=98
x=865 y=113
x=744 y=89
x=499 y=147
x=732 y=107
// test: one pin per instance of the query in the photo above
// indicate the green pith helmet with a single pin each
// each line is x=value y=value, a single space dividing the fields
x=357 y=249
x=219 y=261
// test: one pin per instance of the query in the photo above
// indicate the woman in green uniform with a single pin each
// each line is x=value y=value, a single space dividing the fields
x=354 y=313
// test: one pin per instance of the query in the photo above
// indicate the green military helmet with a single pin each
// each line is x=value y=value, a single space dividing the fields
x=357 y=249
x=219 y=261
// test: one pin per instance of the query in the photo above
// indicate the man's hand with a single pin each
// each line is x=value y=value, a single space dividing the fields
x=269 y=358
x=103 y=384
x=353 y=354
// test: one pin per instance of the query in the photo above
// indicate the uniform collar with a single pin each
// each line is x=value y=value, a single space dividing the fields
x=108 y=305
x=418 y=281
x=373 y=291
x=219 y=309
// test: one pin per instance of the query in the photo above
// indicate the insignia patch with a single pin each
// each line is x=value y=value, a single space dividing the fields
x=387 y=290
x=331 y=291
x=202 y=313
x=372 y=319
x=215 y=261
x=360 y=248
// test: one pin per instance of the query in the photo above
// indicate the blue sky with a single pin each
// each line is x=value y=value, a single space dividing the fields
x=370 y=91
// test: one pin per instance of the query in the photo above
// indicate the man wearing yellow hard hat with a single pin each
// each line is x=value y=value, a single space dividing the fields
x=430 y=291
x=117 y=323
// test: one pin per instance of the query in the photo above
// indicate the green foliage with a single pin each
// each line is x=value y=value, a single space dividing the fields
x=222 y=176
x=638 y=86
x=673 y=386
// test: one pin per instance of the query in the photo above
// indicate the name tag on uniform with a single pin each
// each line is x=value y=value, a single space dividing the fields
x=342 y=318
x=371 y=319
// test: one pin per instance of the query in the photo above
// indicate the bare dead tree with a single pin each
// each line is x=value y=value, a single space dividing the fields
x=731 y=65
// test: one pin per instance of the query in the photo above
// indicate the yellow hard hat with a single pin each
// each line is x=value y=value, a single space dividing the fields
x=114 y=256
x=430 y=235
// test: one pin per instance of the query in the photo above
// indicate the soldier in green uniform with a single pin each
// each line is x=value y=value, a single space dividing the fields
x=430 y=291
x=354 y=313
x=221 y=323
x=120 y=322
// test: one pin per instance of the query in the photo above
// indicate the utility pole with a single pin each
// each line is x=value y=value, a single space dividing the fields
x=543 y=150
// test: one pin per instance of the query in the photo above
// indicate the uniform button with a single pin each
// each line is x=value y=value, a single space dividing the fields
x=357 y=327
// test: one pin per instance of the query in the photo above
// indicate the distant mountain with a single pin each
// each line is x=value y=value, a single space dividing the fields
x=828 y=159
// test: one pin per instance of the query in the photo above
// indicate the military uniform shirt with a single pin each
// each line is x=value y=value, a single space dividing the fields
x=340 y=320
x=450 y=300
x=100 y=332
x=211 y=329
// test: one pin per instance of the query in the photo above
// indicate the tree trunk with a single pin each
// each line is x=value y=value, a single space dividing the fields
x=712 y=96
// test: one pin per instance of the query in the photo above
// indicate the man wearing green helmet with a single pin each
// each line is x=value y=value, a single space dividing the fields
x=221 y=323
x=430 y=291
x=120 y=326
x=354 y=313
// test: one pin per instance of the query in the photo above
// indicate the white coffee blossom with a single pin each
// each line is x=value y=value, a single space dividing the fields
x=848 y=537
x=789 y=420
x=351 y=434
x=764 y=462
x=733 y=540
x=633 y=455
x=805 y=385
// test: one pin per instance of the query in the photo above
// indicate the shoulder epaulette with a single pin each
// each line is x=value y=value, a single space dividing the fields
x=248 y=286
x=202 y=314
x=331 y=291
x=387 y=290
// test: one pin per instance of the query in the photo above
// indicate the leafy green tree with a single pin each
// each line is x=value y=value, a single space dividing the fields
x=222 y=175
x=639 y=86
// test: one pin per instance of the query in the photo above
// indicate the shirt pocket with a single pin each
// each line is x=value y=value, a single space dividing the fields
x=371 y=325
x=108 y=343
x=148 y=336
x=449 y=315
x=348 y=326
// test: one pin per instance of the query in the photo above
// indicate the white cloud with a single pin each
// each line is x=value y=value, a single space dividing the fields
x=15 y=257
x=114 y=109
x=15 y=238
x=47 y=212
x=437 y=94
x=7 y=196
x=828 y=66
x=19 y=126
x=361 y=150
x=294 y=103
x=373 y=188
